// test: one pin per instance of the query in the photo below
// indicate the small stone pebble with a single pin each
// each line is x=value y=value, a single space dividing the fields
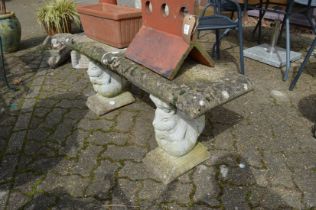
x=279 y=96
x=224 y=170
x=242 y=165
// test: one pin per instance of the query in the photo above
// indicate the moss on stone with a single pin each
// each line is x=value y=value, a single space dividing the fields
x=195 y=90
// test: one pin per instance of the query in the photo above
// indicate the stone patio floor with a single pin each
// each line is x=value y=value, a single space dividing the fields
x=56 y=154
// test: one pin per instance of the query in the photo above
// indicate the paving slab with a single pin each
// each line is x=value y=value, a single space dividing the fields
x=276 y=58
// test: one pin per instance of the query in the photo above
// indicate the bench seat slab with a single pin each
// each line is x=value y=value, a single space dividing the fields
x=196 y=90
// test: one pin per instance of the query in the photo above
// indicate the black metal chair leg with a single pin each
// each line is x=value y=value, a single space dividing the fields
x=5 y=77
x=258 y=26
x=218 y=40
x=3 y=68
x=218 y=43
x=301 y=69
x=262 y=13
x=312 y=24
x=232 y=15
x=282 y=29
x=241 y=48
x=6 y=80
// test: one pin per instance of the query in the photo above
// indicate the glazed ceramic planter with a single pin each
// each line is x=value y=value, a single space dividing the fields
x=10 y=32
x=111 y=24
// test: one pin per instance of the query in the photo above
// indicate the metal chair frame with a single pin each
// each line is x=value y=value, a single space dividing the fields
x=301 y=69
x=309 y=52
x=305 y=11
x=208 y=23
x=286 y=21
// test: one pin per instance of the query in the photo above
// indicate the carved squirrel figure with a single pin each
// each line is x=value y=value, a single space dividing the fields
x=175 y=133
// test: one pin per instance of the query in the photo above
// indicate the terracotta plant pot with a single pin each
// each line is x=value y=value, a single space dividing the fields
x=111 y=24
x=108 y=1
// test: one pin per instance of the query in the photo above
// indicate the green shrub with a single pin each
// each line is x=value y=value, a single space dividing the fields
x=56 y=16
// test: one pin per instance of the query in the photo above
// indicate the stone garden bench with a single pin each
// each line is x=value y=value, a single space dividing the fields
x=181 y=103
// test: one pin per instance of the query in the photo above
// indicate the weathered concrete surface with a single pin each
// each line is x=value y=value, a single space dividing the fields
x=102 y=105
x=262 y=149
x=58 y=57
x=195 y=90
x=79 y=61
x=167 y=168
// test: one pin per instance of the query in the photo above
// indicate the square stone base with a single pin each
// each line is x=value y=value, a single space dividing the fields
x=102 y=105
x=167 y=168
x=277 y=59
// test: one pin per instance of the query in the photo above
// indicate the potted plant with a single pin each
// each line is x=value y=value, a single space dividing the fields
x=56 y=16
x=10 y=29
